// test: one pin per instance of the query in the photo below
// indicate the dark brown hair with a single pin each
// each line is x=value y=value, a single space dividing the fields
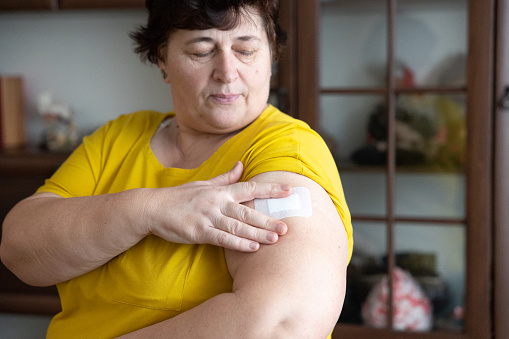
x=166 y=16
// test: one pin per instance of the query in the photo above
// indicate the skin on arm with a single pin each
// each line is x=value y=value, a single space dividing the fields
x=48 y=239
x=305 y=273
x=293 y=289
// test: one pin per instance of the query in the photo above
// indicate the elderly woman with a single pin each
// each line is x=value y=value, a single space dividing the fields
x=153 y=226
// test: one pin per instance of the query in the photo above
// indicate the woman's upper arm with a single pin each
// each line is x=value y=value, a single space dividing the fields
x=302 y=277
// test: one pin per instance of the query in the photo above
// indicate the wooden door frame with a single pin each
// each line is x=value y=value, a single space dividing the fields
x=501 y=173
x=308 y=85
x=298 y=70
x=479 y=204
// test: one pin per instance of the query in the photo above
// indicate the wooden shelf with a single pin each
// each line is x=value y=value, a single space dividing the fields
x=30 y=161
x=412 y=220
x=402 y=90
x=350 y=167
x=353 y=331
x=33 y=5
x=55 y=5
x=100 y=4
x=29 y=303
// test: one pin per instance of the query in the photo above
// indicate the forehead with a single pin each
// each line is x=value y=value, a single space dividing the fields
x=250 y=27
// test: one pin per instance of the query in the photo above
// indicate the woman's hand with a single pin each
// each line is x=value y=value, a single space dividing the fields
x=211 y=212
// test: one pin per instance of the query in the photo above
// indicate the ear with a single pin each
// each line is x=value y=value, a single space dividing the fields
x=164 y=72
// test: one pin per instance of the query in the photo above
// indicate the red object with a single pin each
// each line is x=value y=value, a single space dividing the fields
x=412 y=308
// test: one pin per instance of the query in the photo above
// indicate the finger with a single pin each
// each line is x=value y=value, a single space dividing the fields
x=230 y=177
x=247 y=191
x=256 y=219
x=244 y=231
x=227 y=240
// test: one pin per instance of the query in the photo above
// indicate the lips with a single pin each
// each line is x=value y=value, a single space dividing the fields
x=225 y=98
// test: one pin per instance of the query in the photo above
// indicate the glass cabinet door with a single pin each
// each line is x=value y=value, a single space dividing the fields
x=393 y=110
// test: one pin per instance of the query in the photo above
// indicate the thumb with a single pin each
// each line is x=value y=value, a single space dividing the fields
x=230 y=177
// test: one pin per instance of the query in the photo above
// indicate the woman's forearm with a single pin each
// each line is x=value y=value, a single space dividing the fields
x=47 y=239
x=225 y=316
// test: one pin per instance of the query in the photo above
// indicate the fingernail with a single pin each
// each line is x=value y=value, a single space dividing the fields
x=272 y=237
x=286 y=187
x=281 y=228
x=254 y=246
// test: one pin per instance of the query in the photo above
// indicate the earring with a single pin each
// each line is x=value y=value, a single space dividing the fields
x=164 y=74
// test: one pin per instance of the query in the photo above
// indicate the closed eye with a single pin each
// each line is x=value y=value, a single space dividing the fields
x=246 y=53
x=203 y=54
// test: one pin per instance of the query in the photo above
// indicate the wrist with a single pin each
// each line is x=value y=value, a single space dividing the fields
x=140 y=210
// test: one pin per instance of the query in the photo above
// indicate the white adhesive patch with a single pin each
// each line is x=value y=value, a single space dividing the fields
x=298 y=204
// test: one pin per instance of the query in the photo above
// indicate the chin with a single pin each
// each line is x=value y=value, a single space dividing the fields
x=224 y=128
x=230 y=121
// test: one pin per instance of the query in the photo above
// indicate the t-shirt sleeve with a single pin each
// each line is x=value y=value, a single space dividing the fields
x=99 y=156
x=298 y=149
x=79 y=174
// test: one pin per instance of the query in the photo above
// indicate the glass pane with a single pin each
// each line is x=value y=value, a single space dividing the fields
x=430 y=195
x=431 y=42
x=353 y=44
x=431 y=132
x=366 y=268
x=365 y=192
x=432 y=258
x=344 y=125
x=431 y=155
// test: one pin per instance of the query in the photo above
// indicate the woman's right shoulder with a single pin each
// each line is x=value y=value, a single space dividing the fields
x=125 y=129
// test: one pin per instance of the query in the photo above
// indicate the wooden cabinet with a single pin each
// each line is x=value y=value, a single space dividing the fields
x=99 y=4
x=501 y=173
x=372 y=75
x=36 y=5
x=21 y=173
x=27 y=4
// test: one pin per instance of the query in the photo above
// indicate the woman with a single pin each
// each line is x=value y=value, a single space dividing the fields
x=142 y=228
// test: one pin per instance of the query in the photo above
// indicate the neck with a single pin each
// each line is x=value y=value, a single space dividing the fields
x=183 y=148
x=192 y=144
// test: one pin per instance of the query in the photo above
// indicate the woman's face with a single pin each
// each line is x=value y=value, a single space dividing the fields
x=219 y=79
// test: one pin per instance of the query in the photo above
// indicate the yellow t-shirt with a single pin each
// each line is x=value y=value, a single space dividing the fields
x=155 y=279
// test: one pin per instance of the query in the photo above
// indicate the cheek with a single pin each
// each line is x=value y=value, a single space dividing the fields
x=185 y=73
x=259 y=74
x=188 y=82
x=261 y=77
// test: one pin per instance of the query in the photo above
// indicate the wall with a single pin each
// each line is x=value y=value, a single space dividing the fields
x=13 y=326
x=84 y=58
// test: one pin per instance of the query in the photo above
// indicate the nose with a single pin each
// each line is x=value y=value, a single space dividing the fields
x=225 y=68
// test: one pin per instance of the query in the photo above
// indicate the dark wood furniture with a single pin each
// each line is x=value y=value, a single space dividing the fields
x=100 y=4
x=21 y=173
x=16 y=5
x=501 y=173
x=478 y=91
x=37 y=5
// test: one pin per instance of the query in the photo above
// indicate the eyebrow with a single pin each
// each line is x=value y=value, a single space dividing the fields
x=248 y=38
x=198 y=40
x=210 y=40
